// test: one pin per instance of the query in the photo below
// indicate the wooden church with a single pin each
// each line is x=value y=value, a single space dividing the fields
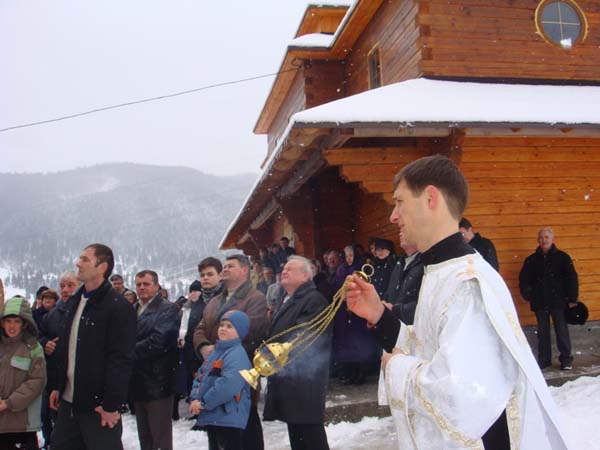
x=507 y=88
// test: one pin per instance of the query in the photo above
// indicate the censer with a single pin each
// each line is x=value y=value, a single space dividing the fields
x=271 y=356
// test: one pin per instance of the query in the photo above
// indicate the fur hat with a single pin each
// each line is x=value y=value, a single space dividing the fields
x=577 y=315
x=195 y=286
x=386 y=244
x=50 y=293
x=239 y=320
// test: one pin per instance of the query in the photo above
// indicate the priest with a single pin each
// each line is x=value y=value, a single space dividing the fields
x=463 y=375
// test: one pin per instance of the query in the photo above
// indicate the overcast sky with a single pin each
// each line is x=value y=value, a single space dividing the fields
x=63 y=57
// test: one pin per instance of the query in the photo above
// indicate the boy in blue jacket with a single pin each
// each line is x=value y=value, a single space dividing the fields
x=220 y=396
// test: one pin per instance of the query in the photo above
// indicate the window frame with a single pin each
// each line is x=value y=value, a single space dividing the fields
x=375 y=50
x=582 y=19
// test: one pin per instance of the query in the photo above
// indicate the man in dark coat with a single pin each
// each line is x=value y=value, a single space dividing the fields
x=52 y=327
x=200 y=293
x=548 y=281
x=155 y=363
x=484 y=246
x=296 y=394
x=384 y=261
x=405 y=283
x=94 y=359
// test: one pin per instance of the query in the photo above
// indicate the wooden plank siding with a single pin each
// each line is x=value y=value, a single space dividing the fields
x=479 y=38
x=394 y=30
x=295 y=101
x=521 y=184
x=517 y=185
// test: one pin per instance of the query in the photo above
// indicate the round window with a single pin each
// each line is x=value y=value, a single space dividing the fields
x=561 y=22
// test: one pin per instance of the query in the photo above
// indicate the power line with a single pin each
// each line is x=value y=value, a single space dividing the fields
x=145 y=100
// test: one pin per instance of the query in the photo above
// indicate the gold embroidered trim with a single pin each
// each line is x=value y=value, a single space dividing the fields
x=440 y=420
x=516 y=327
x=514 y=421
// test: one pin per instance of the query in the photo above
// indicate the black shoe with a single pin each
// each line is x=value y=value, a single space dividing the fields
x=566 y=367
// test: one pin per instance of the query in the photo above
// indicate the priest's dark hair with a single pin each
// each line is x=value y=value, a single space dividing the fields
x=441 y=172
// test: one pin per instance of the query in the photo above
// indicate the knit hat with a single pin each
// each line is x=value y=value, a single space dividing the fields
x=195 y=286
x=239 y=320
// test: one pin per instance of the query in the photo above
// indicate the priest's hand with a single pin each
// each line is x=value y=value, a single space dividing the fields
x=362 y=299
x=385 y=357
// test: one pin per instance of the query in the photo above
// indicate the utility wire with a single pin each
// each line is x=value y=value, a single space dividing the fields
x=145 y=100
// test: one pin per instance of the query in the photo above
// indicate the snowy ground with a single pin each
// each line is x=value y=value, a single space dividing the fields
x=578 y=400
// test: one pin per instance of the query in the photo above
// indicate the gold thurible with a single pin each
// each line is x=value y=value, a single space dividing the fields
x=270 y=356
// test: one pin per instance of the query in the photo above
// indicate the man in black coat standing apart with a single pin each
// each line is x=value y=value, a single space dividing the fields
x=155 y=362
x=548 y=281
x=296 y=394
x=94 y=359
x=484 y=246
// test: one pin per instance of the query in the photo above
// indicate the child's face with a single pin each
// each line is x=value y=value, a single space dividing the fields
x=13 y=326
x=227 y=331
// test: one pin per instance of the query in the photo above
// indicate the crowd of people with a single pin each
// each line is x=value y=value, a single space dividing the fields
x=93 y=349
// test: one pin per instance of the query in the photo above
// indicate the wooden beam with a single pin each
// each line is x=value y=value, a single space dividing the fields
x=373 y=171
x=301 y=176
x=369 y=155
x=265 y=214
x=393 y=130
x=337 y=137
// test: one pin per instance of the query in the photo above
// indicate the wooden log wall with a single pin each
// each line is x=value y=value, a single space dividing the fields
x=334 y=212
x=394 y=30
x=373 y=219
x=480 y=38
x=519 y=185
x=324 y=82
x=295 y=101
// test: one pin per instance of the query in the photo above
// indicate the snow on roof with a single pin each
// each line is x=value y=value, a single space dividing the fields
x=452 y=102
x=332 y=3
x=313 y=40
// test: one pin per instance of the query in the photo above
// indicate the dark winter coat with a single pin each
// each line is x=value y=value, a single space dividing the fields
x=404 y=287
x=549 y=281
x=271 y=262
x=38 y=315
x=223 y=393
x=155 y=354
x=382 y=273
x=246 y=299
x=54 y=325
x=104 y=356
x=352 y=340
x=296 y=394
x=485 y=248
x=323 y=286
x=191 y=360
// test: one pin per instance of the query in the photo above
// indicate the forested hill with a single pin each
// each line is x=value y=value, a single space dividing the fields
x=162 y=218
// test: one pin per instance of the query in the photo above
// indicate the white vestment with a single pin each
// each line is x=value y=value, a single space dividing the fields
x=463 y=362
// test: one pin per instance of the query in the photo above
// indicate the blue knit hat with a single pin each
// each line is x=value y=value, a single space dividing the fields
x=239 y=320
